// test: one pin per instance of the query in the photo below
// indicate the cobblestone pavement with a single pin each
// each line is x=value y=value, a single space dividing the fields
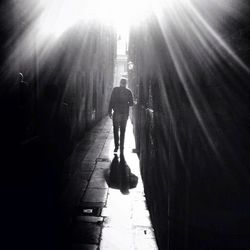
x=104 y=196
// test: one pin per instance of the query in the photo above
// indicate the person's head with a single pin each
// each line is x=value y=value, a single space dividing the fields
x=20 y=77
x=123 y=82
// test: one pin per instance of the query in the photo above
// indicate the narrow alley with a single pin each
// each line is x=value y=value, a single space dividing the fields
x=107 y=206
x=75 y=75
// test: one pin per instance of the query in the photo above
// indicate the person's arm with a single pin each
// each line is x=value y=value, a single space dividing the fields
x=111 y=104
x=130 y=101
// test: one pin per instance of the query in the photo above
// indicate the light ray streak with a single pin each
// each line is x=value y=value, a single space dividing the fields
x=171 y=117
x=55 y=17
x=212 y=34
x=177 y=62
x=205 y=44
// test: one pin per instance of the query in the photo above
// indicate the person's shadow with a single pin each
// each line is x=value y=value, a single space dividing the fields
x=120 y=176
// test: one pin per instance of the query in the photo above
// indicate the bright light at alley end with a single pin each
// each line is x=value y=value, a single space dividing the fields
x=57 y=16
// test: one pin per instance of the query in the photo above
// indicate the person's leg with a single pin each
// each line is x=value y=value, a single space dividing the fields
x=123 y=123
x=119 y=116
x=115 y=130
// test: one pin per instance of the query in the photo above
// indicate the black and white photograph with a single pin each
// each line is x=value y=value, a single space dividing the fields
x=125 y=124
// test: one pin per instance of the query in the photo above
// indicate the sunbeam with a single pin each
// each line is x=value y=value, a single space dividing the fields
x=191 y=35
x=185 y=49
x=180 y=20
x=58 y=16
x=190 y=38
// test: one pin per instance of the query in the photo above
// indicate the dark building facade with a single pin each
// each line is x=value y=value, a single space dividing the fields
x=65 y=85
x=63 y=90
x=191 y=124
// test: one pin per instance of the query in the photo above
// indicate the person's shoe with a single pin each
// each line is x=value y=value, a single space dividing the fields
x=116 y=149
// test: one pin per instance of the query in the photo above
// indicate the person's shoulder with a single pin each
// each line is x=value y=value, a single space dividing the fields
x=129 y=90
x=115 y=89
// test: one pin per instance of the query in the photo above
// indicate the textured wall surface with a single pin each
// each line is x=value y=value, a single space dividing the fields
x=191 y=124
x=66 y=82
x=64 y=91
x=82 y=66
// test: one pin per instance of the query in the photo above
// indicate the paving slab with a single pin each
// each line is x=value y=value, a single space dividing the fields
x=73 y=192
x=144 y=232
x=95 y=195
x=106 y=212
x=89 y=219
x=141 y=221
x=83 y=232
x=92 y=204
x=103 y=165
x=92 y=155
x=97 y=182
x=116 y=238
x=87 y=166
x=86 y=175
x=98 y=173
x=145 y=244
x=88 y=210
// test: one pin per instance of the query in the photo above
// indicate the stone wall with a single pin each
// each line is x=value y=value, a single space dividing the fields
x=64 y=91
x=191 y=124
x=66 y=82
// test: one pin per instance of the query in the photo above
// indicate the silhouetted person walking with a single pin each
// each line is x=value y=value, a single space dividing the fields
x=120 y=101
